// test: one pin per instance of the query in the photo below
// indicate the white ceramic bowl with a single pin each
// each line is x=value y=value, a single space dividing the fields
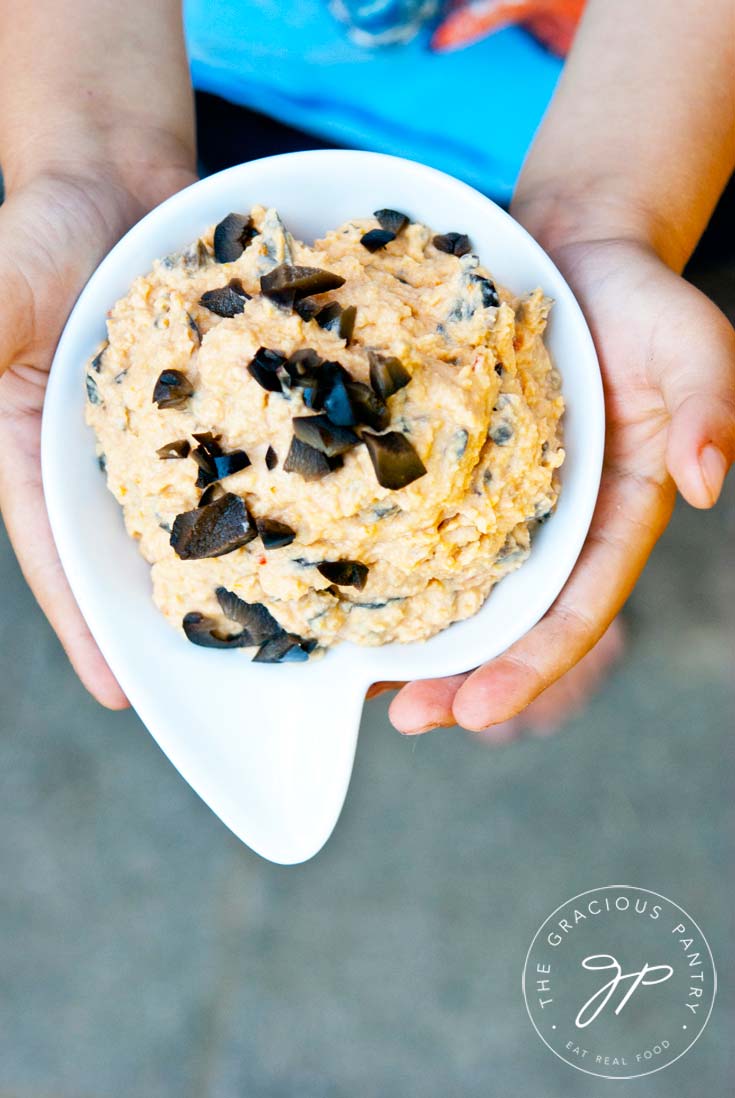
x=270 y=748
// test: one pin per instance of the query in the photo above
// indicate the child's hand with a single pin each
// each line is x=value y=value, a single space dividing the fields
x=54 y=229
x=668 y=362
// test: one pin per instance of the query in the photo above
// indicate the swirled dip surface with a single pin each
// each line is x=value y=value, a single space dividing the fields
x=480 y=414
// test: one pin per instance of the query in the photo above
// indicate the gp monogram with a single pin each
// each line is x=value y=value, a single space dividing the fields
x=619 y=982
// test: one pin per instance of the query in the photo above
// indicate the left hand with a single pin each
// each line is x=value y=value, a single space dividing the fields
x=667 y=356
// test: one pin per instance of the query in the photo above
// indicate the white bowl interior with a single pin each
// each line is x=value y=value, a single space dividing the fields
x=270 y=749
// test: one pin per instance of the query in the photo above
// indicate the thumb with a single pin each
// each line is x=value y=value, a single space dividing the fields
x=700 y=398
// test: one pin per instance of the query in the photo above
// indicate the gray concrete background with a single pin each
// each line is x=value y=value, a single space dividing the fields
x=145 y=953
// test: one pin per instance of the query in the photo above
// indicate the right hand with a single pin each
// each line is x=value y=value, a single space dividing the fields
x=55 y=227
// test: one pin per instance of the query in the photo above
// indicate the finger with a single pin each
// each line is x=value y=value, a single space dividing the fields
x=630 y=516
x=699 y=391
x=379 y=688
x=424 y=705
x=24 y=512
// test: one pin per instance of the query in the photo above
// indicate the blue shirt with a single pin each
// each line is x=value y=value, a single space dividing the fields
x=472 y=112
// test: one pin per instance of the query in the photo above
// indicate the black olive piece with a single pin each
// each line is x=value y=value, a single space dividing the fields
x=487 y=291
x=210 y=494
x=501 y=434
x=214 y=530
x=303 y=363
x=327 y=437
x=375 y=239
x=208 y=442
x=329 y=315
x=333 y=318
x=226 y=465
x=96 y=363
x=273 y=534
x=232 y=236
x=255 y=618
x=204 y=455
x=194 y=328
x=368 y=408
x=227 y=300
x=394 y=459
x=308 y=462
x=203 y=631
x=271 y=458
x=285 y=648
x=286 y=283
x=93 y=395
x=499 y=369
x=179 y=448
x=102 y=462
x=172 y=389
x=345 y=573
x=264 y=368
x=393 y=221
x=452 y=243
x=306 y=309
x=387 y=374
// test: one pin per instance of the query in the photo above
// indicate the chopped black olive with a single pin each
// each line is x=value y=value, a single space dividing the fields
x=178 y=449
x=285 y=648
x=487 y=291
x=306 y=309
x=227 y=300
x=172 y=389
x=393 y=221
x=192 y=259
x=452 y=243
x=194 y=328
x=394 y=459
x=499 y=369
x=271 y=458
x=273 y=534
x=226 y=465
x=387 y=374
x=331 y=394
x=327 y=437
x=96 y=363
x=204 y=455
x=93 y=395
x=368 y=408
x=501 y=434
x=460 y=438
x=213 y=463
x=209 y=442
x=374 y=239
x=302 y=363
x=214 y=530
x=309 y=463
x=345 y=573
x=256 y=620
x=329 y=315
x=333 y=318
x=102 y=462
x=264 y=368
x=203 y=631
x=232 y=236
x=210 y=494
x=286 y=284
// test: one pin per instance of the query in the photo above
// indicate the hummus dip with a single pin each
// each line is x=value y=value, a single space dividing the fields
x=432 y=457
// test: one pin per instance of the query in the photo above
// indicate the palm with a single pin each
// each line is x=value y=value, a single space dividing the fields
x=54 y=232
x=666 y=355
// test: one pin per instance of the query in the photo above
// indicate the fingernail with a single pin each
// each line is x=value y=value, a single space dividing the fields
x=713 y=465
x=419 y=731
